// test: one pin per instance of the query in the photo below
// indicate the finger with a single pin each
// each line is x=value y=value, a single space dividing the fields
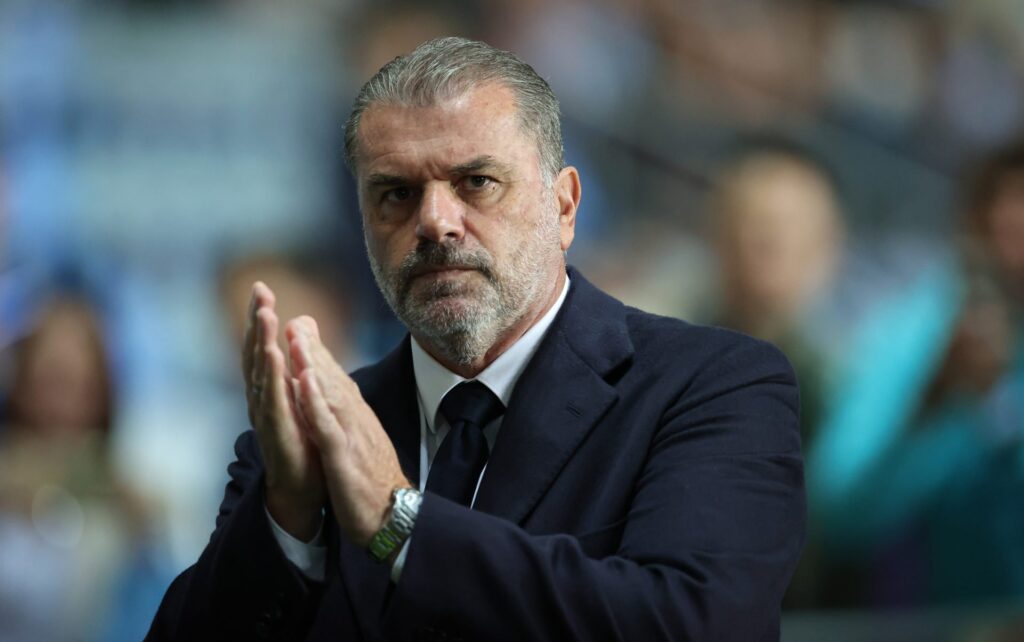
x=269 y=323
x=265 y=297
x=308 y=352
x=304 y=324
x=320 y=357
x=262 y=299
x=275 y=387
x=313 y=327
x=324 y=428
x=294 y=333
x=266 y=338
x=299 y=356
x=330 y=378
x=338 y=388
x=258 y=356
x=253 y=377
x=294 y=394
x=317 y=350
x=249 y=339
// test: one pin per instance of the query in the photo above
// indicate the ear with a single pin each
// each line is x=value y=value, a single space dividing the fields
x=567 y=193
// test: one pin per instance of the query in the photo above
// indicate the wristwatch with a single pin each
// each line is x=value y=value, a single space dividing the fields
x=405 y=505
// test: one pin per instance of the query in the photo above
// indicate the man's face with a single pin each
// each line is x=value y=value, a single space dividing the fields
x=1005 y=233
x=465 y=235
x=778 y=236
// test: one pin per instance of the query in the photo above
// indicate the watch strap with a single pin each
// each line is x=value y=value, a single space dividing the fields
x=405 y=505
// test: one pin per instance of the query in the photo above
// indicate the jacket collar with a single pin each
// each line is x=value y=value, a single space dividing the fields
x=561 y=396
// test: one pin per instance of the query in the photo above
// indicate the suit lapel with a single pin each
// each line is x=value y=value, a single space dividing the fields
x=389 y=387
x=560 y=397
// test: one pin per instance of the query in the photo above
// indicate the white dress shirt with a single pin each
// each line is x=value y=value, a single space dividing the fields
x=433 y=381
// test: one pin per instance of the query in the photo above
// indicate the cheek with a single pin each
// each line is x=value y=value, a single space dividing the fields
x=386 y=245
x=507 y=232
x=1008 y=236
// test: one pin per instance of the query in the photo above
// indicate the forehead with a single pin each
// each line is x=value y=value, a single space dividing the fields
x=782 y=186
x=399 y=139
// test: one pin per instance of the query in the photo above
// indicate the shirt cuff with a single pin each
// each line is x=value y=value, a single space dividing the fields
x=396 y=568
x=309 y=557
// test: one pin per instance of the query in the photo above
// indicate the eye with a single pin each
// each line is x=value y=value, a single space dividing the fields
x=477 y=182
x=397 y=195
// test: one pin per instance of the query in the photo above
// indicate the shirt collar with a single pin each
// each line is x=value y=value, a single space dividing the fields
x=433 y=381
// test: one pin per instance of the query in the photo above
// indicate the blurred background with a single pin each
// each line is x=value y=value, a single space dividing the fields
x=844 y=178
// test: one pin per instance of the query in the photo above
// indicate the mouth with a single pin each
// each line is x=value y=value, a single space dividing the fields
x=440 y=271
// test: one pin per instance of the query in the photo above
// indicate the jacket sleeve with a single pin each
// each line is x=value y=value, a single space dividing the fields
x=712 y=536
x=242 y=587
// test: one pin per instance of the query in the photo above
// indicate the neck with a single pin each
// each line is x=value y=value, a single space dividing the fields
x=506 y=339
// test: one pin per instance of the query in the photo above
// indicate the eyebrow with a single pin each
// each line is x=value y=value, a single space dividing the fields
x=478 y=164
x=386 y=180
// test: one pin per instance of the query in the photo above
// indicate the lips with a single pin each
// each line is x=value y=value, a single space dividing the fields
x=440 y=270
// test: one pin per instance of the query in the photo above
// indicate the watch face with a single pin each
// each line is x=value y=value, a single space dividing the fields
x=407 y=496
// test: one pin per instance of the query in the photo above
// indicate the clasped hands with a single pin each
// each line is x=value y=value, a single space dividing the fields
x=319 y=438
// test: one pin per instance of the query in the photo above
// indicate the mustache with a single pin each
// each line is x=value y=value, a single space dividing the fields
x=429 y=256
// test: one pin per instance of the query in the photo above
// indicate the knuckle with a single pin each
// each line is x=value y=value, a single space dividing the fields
x=334 y=407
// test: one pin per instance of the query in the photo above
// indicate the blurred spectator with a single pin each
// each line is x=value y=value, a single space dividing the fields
x=301 y=287
x=181 y=130
x=391 y=28
x=749 y=61
x=777 y=233
x=777 y=236
x=67 y=525
x=919 y=468
x=595 y=55
x=981 y=97
x=879 y=59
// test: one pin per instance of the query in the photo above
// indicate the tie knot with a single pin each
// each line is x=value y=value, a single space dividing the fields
x=471 y=402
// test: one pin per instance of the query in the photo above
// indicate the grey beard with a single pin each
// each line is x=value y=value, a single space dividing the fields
x=463 y=334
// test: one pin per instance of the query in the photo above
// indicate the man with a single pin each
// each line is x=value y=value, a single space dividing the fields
x=609 y=475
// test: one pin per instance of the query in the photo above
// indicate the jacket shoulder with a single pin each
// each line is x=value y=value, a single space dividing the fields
x=658 y=338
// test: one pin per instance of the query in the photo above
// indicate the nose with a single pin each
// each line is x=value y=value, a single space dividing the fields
x=441 y=214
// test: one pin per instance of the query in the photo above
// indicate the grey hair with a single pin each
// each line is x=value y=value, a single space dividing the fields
x=447 y=68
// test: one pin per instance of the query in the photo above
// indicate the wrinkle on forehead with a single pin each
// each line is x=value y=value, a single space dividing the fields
x=394 y=139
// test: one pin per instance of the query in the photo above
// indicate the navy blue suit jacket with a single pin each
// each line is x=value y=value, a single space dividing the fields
x=647 y=485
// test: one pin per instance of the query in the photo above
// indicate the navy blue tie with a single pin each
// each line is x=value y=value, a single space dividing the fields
x=457 y=465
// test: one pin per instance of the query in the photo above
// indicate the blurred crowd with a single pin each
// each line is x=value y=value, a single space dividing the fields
x=843 y=178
